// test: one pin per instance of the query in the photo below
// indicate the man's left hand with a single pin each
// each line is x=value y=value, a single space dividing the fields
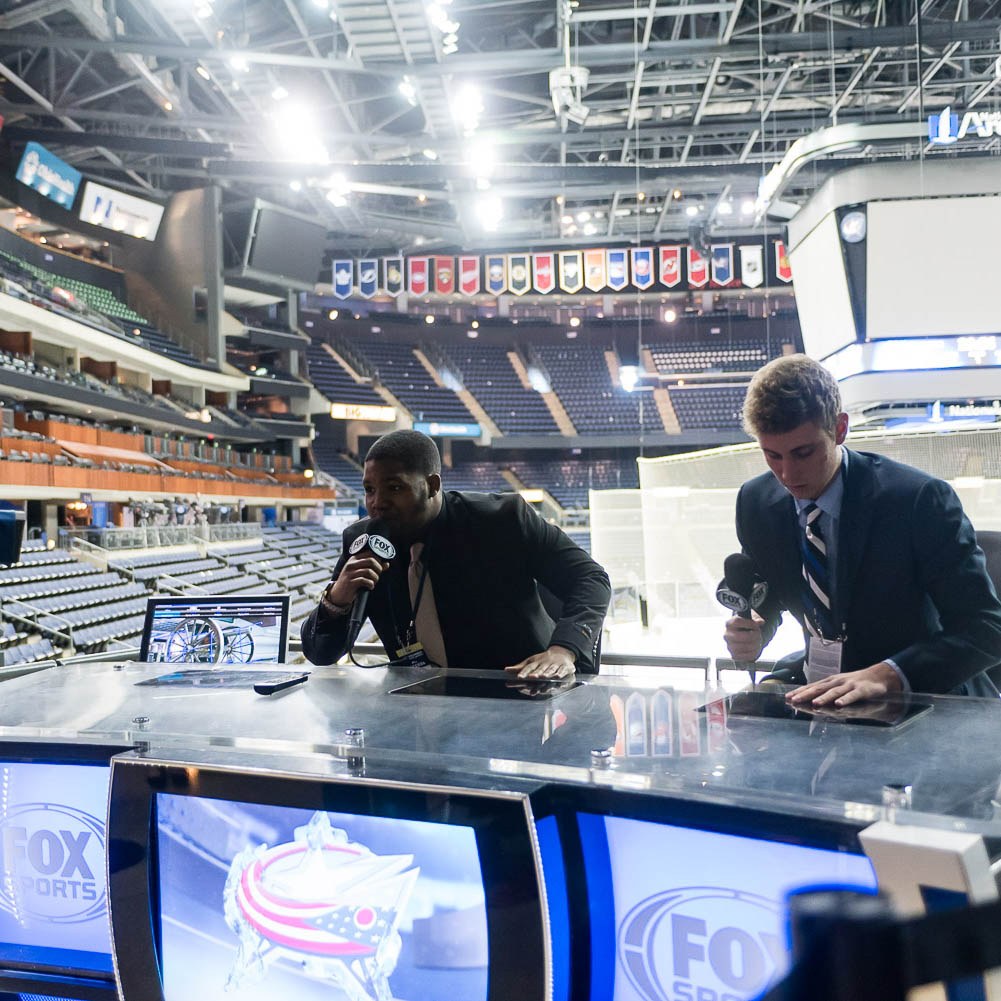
x=556 y=662
x=853 y=686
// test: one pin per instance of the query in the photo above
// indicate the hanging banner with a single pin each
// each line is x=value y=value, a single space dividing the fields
x=642 y=266
x=444 y=275
x=571 y=271
x=368 y=278
x=343 y=278
x=752 y=265
x=497 y=274
x=544 y=272
x=698 y=269
x=519 y=278
x=595 y=276
x=722 y=264
x=670 y=266
x=392 y=275
x=48 y=175
x=783 y=269
x=469 y=275
x=420 y=282
x=618 y=269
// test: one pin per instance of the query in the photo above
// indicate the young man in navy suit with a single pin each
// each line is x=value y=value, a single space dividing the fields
x=876 y=560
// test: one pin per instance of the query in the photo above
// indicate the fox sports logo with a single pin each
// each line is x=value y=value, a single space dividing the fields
x=53 y=863
x=701 y=943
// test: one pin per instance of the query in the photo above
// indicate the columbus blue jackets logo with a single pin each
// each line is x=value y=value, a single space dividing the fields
x=701 y=942
x=321 y=901
x=53 y=864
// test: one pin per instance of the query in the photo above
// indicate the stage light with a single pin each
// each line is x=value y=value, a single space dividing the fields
x=590 y=229
x=747 y=206
x=670 y=315
x=574 y=321
x=692 y=211
x=641 y=196
x=584 y=216
x=676 y=194
x=168 y=105
x=566 y=220
x=724 y=208
x=332 y=315
x=429 y=319
x=308 y=473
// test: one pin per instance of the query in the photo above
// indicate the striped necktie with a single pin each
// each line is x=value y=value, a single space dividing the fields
x=816 y=578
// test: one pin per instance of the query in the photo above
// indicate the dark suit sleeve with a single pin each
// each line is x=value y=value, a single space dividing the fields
x=578 y=581
x=325 y=636
x=772 y=609
x=952 y=571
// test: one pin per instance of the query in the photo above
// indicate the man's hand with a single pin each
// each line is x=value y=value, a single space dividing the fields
x=854 y=686
x=361 y=572
x=743 y=638
x=556 y=662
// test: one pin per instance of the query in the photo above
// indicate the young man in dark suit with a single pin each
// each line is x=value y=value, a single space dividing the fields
x=875 y=559
x=464 y=584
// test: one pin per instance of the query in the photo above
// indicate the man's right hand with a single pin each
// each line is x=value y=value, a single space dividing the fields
x=743 y=638
x=361 y=572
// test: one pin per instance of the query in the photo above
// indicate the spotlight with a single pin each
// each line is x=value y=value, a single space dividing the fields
x=429 y=318
x=692 y=211
x=670 y=315
x=475 y=324
x=332 y=315
x=574 y=321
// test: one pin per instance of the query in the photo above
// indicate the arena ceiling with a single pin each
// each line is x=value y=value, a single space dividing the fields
x=405 y=124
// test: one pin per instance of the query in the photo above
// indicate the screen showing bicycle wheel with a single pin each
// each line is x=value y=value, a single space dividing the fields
x=224 y=629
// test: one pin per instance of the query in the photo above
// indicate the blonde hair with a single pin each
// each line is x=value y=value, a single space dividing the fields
x=790 y=391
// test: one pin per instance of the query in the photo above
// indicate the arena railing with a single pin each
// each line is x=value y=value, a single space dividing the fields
x=149 y=536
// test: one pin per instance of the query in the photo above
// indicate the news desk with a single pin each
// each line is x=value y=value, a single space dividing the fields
x=338 y=841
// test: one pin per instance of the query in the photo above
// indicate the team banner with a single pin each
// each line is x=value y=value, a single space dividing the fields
x=418 y=272
x=722 y=263
x=519 y=278
x=670 y=266
x=368 y=278
x=343 y=278
x=544 y=272
x=783 y=269
x=444 y=275
x=595 y=275
x=618 y=270
x=392 y=275
x=642 y=266
x=497 y=274
x=571 y=271
x=752 y=265
x=698 y=269
x=469 y=275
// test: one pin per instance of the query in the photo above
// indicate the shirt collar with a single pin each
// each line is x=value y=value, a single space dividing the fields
x=829 y=501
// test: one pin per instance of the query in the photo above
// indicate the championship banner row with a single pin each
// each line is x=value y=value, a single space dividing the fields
x=727 y=266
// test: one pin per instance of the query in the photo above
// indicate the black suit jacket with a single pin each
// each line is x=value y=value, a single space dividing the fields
x=487 y=554
x=911 y=582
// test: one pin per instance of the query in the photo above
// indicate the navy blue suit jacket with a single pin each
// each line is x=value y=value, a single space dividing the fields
x=911 y=581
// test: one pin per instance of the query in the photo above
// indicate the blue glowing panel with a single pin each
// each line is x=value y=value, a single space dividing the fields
x=685 y=914
x=53 y=903
x=264 y=902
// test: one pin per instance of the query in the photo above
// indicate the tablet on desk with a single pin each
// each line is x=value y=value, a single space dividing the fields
x=512 y=689
x=773 y=705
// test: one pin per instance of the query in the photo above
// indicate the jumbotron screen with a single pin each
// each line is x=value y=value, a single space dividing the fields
x=259 y=902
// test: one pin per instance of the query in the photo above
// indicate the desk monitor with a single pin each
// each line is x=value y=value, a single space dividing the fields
x=267 y=886
x=220 y=629
x=55 y=936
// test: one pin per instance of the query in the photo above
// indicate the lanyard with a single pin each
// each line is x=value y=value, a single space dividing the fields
x=411 y=633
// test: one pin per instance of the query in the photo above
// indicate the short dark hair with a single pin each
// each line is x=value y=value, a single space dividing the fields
x=788 y=392
x=416 y=452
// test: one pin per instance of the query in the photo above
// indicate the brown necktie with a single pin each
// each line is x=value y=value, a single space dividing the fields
x=427 y=626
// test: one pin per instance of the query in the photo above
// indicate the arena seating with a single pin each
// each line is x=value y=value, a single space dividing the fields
x=702 y=408
x=328 y=458
x=690 y=357
x=483 y=476
x=486 y=371
x=333 y=381
x=569 y=480
x=580 y=377
x=406 y=378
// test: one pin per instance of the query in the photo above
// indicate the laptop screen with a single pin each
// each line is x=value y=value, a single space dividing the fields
x=230 y=629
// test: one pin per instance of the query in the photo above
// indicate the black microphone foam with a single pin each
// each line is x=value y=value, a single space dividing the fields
x=375 y=541
x=739 y=574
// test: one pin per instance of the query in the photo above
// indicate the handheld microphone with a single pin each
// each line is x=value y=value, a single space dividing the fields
x=741 y=590
x=376 y=542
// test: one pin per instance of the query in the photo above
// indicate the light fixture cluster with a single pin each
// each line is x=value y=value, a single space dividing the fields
x=444 y=23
